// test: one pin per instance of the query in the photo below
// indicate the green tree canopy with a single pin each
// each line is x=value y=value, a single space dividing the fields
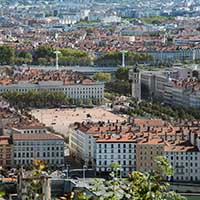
x=102 y=76
x=44 y=52
x=138 y=186
x=7 y=55
x=122 y=73
x=114 y=58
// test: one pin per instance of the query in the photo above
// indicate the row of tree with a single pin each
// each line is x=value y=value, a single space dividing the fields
x=45 y=55
x=115 y=58
x=44 y=99
x=68 y=57
x=120 y=83
x=165 y=112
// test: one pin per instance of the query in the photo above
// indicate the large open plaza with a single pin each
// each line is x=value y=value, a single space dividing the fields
x=60 y=119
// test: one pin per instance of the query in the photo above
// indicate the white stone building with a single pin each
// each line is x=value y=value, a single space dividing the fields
x=93 y=90
x=83 y=146
x=185 y=160
x=29 y=147
x=174 y=86
x=136 y=144
x=115 y=149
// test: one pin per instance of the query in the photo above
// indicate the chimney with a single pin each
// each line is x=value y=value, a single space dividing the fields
x=129 y=119
x=165 y=136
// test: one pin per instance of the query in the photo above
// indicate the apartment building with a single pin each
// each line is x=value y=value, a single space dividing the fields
x=176 y=86
x=134 y=145
x=175 y=54
x=82 y=144
x=32 y=128
x=184 y=93
x=8 y=116
x=6 y=151
x=116 y=149
x=25 y=125
x=29 y=147
x=94 y=90
x=184 y=159
x=146 y=152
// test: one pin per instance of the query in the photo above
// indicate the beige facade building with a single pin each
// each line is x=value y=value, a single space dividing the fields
x=146 y=152
x=6 y=151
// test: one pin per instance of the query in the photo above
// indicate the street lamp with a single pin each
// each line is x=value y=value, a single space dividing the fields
x=55 y=39
x=84 y=169
x=123 y=57
x=57 y=52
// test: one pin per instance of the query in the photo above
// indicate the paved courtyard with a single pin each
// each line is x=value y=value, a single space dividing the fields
x=60 y=119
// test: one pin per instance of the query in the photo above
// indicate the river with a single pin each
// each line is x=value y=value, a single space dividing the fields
x=193 y=197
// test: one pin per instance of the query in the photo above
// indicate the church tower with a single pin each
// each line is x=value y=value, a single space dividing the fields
x=134 y=78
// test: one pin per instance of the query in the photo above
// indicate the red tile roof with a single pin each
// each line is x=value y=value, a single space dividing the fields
x=36 y=137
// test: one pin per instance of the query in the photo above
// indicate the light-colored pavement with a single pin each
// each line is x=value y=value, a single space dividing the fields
x=60 y=119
